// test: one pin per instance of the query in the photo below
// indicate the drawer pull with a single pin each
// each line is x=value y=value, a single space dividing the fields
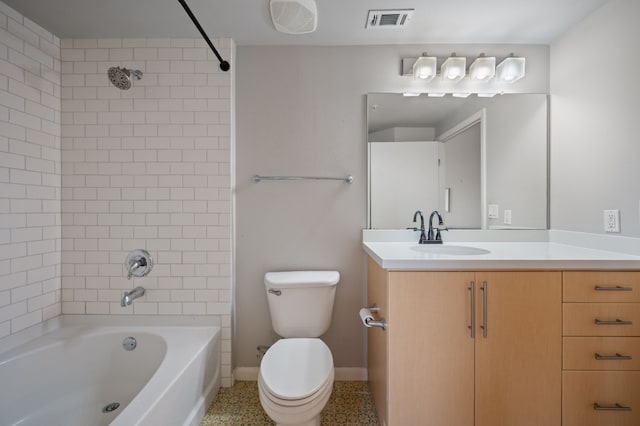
x=616 y=357
x=616 y=407
x=616 y=288
x=616 y=322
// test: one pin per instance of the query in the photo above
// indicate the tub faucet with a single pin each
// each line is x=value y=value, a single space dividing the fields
x=423 y=238
x=438 y=238
x=128 y=296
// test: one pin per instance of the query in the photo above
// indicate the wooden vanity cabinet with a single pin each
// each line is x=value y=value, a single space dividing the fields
x=601 y=348
x=434 y=363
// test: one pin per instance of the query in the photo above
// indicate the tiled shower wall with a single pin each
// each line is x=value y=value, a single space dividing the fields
x=147 y=168
x=29 y=173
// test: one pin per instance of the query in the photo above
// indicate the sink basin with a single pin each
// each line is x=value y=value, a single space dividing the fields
x=449 y=249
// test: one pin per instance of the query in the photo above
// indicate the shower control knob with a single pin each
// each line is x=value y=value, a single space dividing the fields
x=139 y=263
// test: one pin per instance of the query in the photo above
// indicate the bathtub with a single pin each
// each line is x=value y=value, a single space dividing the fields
x=81 y=374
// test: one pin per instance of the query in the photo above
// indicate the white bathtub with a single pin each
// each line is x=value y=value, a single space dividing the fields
x=67 y=376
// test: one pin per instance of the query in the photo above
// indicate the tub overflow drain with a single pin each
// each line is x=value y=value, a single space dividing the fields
x=129 y=343
x=110 y=407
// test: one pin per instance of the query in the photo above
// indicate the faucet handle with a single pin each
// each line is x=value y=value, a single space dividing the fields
x=438 y=236
x=138 y=263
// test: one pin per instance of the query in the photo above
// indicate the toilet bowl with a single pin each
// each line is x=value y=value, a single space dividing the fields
x=296 y=380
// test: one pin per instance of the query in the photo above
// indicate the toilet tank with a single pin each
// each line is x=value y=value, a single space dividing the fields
x=301 y=302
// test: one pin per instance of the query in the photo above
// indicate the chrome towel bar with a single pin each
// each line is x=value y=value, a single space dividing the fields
x=258 y=178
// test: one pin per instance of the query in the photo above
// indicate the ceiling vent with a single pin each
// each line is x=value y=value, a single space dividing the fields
x=389 y=18
x=294 y=16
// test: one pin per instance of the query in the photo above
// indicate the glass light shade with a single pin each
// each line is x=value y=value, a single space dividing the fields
x=511 y=69
x=454 y=68
x=483 y=68
x=425 y=67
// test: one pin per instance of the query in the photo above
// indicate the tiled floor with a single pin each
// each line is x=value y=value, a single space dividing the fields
x=350 y=404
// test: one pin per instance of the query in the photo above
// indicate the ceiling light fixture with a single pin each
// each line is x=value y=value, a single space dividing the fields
x=486 y=95
x=436 y=95
x=483 y=68
x=425 y=67
x=410 y=94
x=511 y=69
x=460 y=95
x=454 y=68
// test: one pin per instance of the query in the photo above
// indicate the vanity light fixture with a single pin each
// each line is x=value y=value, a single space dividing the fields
x=511 y=69
x=454 y=68
x=410 y=94
x=483 y=68
x=425 y=67
x=436 y=95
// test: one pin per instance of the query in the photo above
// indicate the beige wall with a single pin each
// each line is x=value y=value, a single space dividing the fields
x=302 y=110
x=595 y=105
x=29 y=173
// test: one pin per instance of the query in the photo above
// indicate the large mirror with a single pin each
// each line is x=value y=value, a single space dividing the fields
x=481 y=161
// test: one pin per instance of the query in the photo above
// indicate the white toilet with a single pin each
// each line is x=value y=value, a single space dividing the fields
x=296 y=373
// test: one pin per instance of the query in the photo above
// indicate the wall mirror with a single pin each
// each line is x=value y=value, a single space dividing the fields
x=482 y=162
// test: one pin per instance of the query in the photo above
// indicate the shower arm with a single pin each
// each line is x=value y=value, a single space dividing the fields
x=224 y=65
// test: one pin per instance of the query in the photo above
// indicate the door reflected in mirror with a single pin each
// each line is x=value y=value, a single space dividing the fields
x=458 y=156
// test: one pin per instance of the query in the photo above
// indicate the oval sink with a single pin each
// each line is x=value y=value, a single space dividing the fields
x=449 y=249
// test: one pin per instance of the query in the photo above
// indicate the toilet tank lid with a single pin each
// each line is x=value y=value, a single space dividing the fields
x=302 y=278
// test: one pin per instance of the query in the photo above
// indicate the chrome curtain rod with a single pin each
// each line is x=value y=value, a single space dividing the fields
x=224 y=65
x=258 y=178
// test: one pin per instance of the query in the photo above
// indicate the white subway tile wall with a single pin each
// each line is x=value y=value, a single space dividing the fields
x=30 y=173
x=143 y=168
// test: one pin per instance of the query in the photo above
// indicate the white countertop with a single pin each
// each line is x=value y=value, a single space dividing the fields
x=501 y=256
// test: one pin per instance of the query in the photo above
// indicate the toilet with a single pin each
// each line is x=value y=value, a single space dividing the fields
x=296 y=373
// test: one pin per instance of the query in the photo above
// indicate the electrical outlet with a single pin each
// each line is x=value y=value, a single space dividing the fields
x=612 y=220
x=507 y=217
x=493 y=211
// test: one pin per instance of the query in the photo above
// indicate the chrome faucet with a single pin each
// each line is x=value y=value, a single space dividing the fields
x=128 y=296
x=423 y=238
x=438 y=238
x=135 y=265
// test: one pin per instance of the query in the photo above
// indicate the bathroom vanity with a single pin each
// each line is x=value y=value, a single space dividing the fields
x=523 y=334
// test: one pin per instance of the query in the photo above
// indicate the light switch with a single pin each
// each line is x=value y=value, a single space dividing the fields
x=507 y=217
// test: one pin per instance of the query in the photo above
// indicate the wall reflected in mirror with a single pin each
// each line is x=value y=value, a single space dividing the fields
x=459 y=156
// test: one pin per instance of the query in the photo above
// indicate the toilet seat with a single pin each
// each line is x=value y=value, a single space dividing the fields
x=293 y=371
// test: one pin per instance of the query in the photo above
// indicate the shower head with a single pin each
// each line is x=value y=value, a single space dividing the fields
x=122 y=77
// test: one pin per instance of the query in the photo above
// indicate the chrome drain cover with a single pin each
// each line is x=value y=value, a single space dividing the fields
x=110 y=407
x=129 y=343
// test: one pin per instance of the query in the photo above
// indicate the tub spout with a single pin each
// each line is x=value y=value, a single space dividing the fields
x=128 y=296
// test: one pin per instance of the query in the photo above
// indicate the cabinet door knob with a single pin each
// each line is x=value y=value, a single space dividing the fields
x=616 y=407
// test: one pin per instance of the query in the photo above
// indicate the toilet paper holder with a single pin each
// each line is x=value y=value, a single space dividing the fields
x=366 y=314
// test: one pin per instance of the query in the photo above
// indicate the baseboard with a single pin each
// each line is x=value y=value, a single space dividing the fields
x=246 y=374
x=346 y=374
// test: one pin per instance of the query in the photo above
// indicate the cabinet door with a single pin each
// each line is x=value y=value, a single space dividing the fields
x=430 y=349
x=518 y=362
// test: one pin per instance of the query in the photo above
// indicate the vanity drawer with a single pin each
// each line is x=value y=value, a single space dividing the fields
x=582 y=389
x=601 y=286
x=601 y=353
x=601 y=319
